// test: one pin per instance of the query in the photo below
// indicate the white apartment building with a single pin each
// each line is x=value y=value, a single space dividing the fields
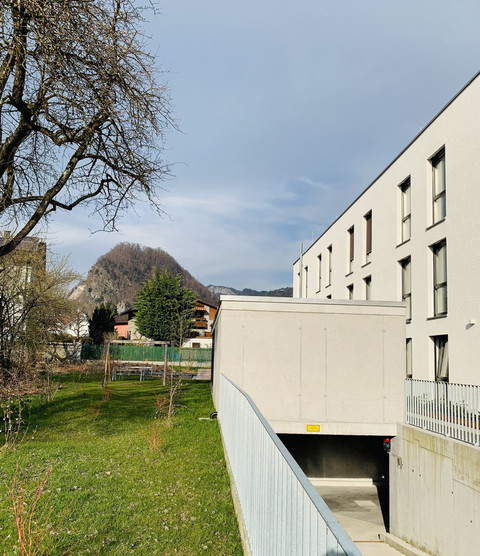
x=414 y=235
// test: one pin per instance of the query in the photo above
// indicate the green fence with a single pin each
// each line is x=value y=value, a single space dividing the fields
x=90 y=351
x=131 y=352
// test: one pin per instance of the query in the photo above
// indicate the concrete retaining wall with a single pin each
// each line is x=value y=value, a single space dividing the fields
x=315 y=367
x=435 y=492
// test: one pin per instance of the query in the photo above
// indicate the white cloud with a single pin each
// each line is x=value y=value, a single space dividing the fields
x=289 y=111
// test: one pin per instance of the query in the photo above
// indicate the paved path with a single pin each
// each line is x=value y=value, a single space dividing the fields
x=357 y=507
x=203 y=374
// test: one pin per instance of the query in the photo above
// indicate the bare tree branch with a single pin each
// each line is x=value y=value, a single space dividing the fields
x=82 y=117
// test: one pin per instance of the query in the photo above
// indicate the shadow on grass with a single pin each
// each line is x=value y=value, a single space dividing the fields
x=83 y=404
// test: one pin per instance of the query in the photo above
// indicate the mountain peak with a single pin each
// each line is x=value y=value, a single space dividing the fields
x=118 y=275
x=225 y=290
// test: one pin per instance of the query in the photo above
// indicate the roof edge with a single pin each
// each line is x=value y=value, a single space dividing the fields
x=437 y=115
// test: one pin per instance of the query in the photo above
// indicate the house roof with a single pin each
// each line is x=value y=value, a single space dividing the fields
x=124 y=316
x=201 y=302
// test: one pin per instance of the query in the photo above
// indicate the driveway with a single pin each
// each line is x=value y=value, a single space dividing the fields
x=361 y=508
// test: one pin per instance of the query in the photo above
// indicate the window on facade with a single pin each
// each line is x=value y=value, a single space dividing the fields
x=409 y=360
x=406 y=210
x=368 y=236
x=319 y=272
x=306 y=281
x=351 y=248
x=329 y=251
x=350 y=291
x=439 y=186
x=441 y=357
x=407 y=286
x=440 y=278
x=368 y=287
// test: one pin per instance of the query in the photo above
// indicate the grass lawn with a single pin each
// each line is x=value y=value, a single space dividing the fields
x=128 y=483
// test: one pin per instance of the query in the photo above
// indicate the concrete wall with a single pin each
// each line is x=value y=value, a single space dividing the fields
x=435 y=492
x=336 y=366
x=457 y=129
x=64 y=351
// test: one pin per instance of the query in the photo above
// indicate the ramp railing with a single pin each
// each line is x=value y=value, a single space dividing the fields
x=282 y=512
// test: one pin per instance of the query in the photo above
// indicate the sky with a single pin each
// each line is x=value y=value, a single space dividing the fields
x=288 y=110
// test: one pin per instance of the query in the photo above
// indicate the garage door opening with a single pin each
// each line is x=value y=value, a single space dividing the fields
x=341 y=466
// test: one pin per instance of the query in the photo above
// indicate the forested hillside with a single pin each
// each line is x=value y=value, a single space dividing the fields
x=117 y=276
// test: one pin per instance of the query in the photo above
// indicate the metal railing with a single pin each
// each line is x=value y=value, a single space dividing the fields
x=282 y=512
x=452 y=410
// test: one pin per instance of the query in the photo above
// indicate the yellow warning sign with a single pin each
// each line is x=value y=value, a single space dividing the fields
x=313 y=428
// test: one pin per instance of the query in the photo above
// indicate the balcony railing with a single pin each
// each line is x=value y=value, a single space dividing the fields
x=283 y=514
x=452 y=410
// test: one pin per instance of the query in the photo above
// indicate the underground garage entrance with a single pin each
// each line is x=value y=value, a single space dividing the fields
x=351 y=475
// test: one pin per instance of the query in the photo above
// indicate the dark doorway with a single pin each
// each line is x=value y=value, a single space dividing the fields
x=343 y=457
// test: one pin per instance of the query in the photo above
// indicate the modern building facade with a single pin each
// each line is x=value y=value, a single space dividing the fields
x=414 y=236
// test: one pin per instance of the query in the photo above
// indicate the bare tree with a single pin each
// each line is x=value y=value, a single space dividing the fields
x=82 y=117
x=33 y=304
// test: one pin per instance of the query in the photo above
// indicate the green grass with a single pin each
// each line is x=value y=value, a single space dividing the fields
x=120 y=496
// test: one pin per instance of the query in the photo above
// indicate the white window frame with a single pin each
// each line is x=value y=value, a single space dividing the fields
x=368 y=236
x=406 y=265
x=306 y=280
x=409 y=358
x=330 y=269
x=368 y=287
x=440 y=284
x=406 y=210
x=441 y=358
x=439 y=186
x=351 y=248
x=319 y=258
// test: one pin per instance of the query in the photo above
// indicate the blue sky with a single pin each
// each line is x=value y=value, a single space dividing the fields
x=288 y=110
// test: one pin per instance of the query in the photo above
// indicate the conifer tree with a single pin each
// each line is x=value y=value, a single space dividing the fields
x=165 y=308
x=102 y=322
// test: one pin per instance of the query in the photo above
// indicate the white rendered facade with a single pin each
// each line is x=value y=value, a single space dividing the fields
x=414 y=235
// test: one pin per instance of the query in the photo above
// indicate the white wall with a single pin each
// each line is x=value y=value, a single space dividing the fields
x=457 y=129
x=435 y=492
x=203 y=342
x=305 y=362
